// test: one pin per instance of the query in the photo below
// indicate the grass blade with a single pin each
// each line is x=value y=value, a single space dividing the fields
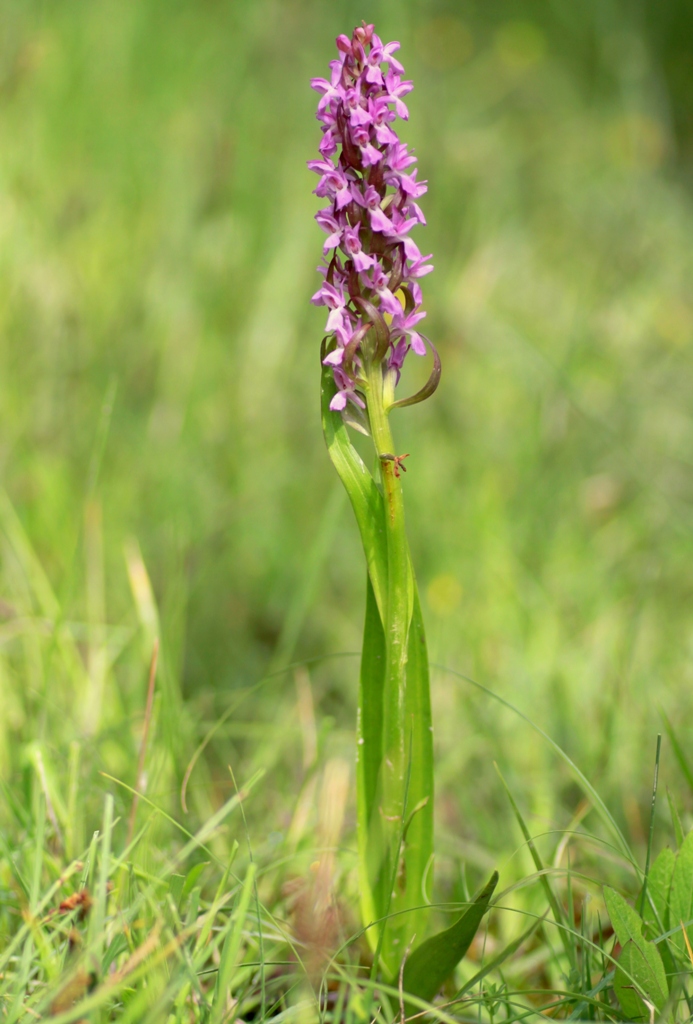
x=97 y=923
x=563 y=926
x=24 y=971
x=679 y=754
x=232 y=945
x=599 y=805
x=500 y=959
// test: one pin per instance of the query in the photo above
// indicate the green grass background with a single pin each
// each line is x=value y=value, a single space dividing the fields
x=159 y=401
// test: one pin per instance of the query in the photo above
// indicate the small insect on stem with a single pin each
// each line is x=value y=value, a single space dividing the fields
x=397 y=459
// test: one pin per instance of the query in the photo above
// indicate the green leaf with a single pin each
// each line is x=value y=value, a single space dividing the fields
x=433 y=961
x=417 y=846
x=405 y=906
x=97 y=920
x=231 y=949
x=374 y=888
x=681 y=897
x=556 y=908
x=367 y=503
x=640 y=973
x=685 y=767
x=625 y=921
x=675 y=820
x=118 y=945
x=365 y=498
x=192 y=877
x=175 y=887
x=655 y=911
x=640 y=970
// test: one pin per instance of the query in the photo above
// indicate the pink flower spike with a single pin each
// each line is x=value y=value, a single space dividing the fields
x=368 y=179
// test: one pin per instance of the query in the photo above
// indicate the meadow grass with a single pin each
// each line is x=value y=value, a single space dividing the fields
x=160 y=481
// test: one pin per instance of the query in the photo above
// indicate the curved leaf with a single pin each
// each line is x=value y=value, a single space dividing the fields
x=429 y=387
x=366 y=500
x=432 y=963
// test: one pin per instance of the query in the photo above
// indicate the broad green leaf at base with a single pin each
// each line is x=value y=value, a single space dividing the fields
x=640 y=972
x=433 y=962
x=681 y=897
x=369 y=754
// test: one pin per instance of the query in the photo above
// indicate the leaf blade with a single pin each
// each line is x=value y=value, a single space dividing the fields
x=640 y=970
x=639 y=973
x=366 y=500
x=681 y=895
x=433 y=961
x=373 y=888
x=417 y=846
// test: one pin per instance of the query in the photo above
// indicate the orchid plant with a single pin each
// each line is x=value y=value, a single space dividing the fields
x=371 y=269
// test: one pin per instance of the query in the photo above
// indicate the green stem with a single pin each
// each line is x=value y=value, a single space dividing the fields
x=397 y=620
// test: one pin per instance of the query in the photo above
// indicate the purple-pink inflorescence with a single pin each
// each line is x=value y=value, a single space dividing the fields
x=372 y=191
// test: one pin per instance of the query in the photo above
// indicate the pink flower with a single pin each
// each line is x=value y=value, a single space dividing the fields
x=351 y=244
x=333 y=184
x=332 y=91
x=332 y=226
x=396 y=88
x=371 y=189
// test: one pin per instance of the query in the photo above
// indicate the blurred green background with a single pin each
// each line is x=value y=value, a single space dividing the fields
x=159 y=392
